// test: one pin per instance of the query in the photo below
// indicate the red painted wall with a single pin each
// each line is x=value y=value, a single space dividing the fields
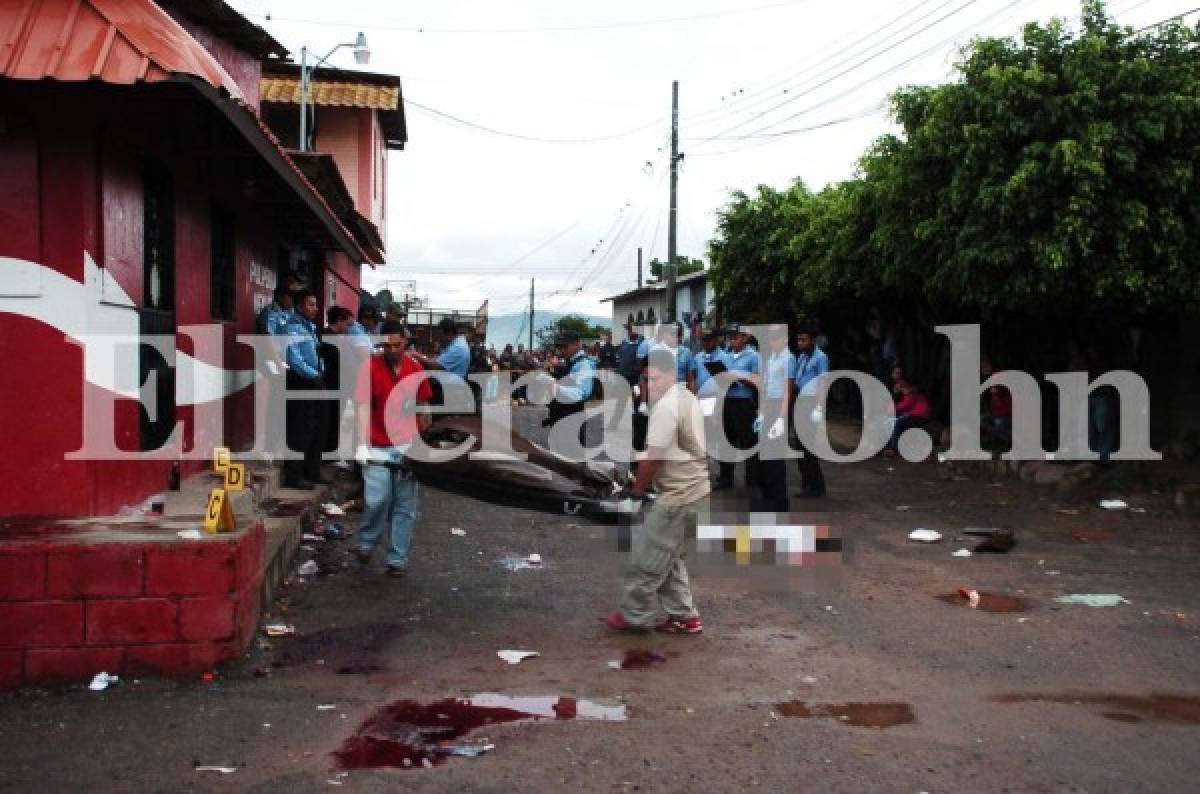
x=73 y=182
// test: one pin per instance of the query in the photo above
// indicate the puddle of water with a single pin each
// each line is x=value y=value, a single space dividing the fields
x=411 y=735
x=1156 y=707
x=988 y=602
x=863 y=715
x=638 y=659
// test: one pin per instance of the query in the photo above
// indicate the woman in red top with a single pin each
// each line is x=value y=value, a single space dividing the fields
x=912 y=411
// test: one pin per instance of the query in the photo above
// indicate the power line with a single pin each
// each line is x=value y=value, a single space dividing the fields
x=622 y=24
x=779 y=136
x=522 y=137
x=1162 y=22
x=845 y=53
x=848 y=70
x=873 y=78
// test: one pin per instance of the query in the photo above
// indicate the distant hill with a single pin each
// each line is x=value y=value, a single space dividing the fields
x=503 y=328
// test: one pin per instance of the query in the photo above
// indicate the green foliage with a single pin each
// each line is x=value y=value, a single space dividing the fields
x=568 y=322
x=1055 y=177
x=683 y=266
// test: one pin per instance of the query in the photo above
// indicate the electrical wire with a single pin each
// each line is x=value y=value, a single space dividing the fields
x=618 y=25
x=814 y=64
x=1162 y=22
x=864 y=61
x=534 y=138
x=908 y=61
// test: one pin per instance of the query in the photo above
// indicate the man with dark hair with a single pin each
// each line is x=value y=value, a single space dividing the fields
x=455 y=357
x=676 y=462
x=388 y=423
x=306 y=372
x=774 y=401
x=631 y=354
x=740 y=408
x=337 y=323
x=575 y=376
x=275 y=315
x=811 y=364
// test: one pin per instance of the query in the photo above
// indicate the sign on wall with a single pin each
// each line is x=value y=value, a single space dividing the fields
x=262 y=285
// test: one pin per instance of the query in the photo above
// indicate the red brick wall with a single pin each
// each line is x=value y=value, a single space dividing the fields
x=69 y=610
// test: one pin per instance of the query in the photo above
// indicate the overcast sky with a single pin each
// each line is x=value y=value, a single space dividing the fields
x=475 y=213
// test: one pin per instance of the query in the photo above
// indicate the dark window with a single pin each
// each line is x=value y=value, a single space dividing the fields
x=158 y=242
x=224 y=265
x=157 y=315
x=650 y=316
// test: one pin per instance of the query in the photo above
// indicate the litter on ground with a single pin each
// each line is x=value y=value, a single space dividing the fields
x=101 y=681
x=456 y=531
x=1093 y=599
x=962 y=553
x=278 y=629
x=1113 y=504
x=308 y=569
x=189 y=534
x=516 y=657
x=925 y=535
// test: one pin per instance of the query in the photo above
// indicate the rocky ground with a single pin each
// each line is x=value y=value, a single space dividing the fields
x=949 y=698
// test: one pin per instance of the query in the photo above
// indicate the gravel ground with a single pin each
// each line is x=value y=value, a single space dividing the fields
x=1056 y=698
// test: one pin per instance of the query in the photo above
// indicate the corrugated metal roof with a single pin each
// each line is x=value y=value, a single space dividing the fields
x=131 y=41
x=347 y=95
x=114 y=41
x=342 y=88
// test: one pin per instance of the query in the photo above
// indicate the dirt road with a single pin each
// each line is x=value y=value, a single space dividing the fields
x=1055 y=698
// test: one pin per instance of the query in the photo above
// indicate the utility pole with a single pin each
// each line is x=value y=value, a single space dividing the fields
x=639 y=268
x=531 y=315
x=674 y=211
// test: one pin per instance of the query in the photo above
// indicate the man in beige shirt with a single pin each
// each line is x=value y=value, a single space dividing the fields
x=677 y=463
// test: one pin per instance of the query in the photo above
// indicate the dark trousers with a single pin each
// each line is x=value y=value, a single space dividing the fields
x=737 y=419
x=305 y=432
x=904 y=423
x=773 y=473
x=812 y=481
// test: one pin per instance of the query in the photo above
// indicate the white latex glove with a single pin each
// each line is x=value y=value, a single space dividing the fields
x=757 y=426
x=362 y=454
x=817 y=416
x=777 y=429
x=644 y=409
x=637 y=390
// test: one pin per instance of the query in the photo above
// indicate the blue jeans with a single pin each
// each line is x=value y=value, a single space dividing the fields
x=390 y=502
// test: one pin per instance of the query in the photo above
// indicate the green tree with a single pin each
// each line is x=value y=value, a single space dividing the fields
x=683 y=265
x=1056 y=178
x=569 y=322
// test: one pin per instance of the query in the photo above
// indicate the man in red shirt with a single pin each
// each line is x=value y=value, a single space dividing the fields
x=389 y=389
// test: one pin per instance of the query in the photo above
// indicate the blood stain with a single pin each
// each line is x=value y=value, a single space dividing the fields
x=408 y=735
x=988 y=602
x=863 y=715
x=638 y=659
x=1156 y=707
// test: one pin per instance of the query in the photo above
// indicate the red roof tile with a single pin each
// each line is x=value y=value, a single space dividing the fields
x=115 y=41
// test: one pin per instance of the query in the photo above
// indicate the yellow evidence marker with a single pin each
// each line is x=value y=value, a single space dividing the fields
x=218 y=515
x=235 y=477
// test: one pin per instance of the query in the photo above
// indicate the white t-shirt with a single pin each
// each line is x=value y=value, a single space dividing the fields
x=676 y=426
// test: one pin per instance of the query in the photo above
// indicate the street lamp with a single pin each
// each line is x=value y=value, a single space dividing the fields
x=362 y=56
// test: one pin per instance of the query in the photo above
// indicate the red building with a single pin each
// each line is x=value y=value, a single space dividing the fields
x=143 y=192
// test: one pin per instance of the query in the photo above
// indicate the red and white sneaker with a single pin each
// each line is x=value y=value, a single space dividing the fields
x=671 y=625
x=617 y=622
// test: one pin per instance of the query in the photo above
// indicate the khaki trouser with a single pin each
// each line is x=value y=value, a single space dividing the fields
x=656 y=566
